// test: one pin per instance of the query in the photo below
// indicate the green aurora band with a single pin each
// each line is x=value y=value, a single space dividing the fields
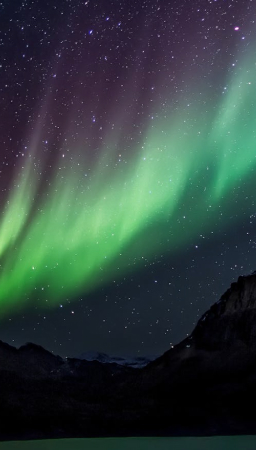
x=82 y=231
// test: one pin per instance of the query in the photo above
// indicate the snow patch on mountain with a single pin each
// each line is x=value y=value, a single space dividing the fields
x=136 y=362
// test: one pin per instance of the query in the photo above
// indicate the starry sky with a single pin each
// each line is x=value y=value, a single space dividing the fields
x=127 y=168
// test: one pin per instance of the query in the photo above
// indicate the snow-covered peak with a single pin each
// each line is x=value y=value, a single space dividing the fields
x=128 y=361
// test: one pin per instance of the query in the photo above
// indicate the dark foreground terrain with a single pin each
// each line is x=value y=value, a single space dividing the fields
x=206 y=385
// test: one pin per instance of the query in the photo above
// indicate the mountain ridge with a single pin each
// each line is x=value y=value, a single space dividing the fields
x=199 y=387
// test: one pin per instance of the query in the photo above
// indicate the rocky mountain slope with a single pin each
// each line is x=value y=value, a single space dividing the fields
x=204 y=385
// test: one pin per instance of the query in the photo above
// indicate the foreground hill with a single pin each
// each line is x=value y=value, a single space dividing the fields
x=204 y=385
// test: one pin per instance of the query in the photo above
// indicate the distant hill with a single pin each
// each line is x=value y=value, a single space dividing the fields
x=128 y=361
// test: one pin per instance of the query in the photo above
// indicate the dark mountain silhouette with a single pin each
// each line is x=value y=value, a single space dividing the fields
x=203 y=386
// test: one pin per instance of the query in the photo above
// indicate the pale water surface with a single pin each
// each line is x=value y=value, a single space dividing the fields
x=203 y=443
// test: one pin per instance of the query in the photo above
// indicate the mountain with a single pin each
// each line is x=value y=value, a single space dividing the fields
x=232 y=320
x=203 y=386
x=136 y=362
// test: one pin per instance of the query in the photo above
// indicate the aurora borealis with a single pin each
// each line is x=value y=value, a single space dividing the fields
x=128 y=144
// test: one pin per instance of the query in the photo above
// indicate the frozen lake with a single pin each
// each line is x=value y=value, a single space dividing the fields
x=203 y=443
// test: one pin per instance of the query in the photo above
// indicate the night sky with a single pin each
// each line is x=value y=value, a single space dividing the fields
x=127 y=168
